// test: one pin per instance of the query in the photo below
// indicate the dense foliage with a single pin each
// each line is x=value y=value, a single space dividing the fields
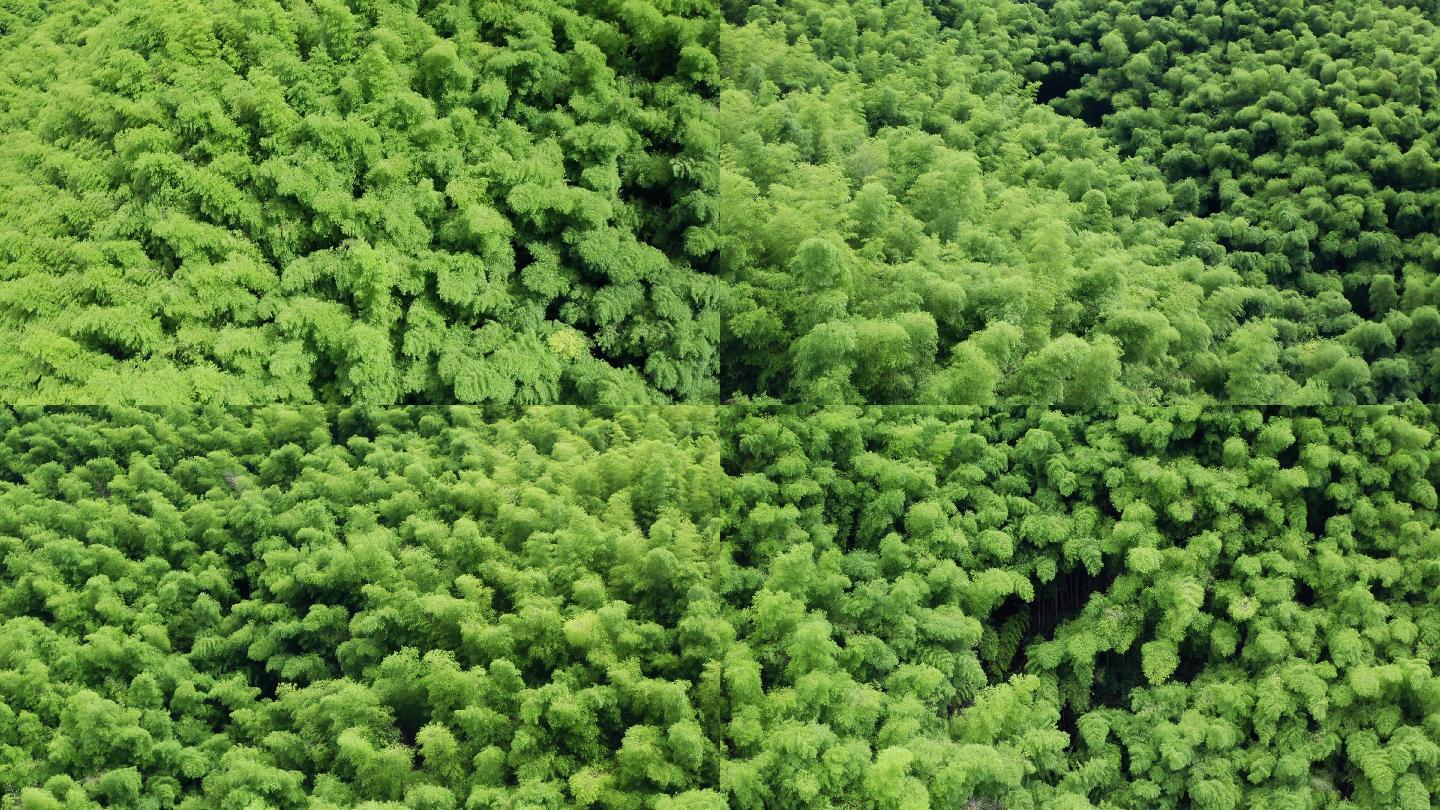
x=684 y=608
x=308 y=609
x=1302 y=135
x=1051 y=475
x=1083 y=203
x=902 y=223
x=1079 y=201
x=1182 y=607
x=372 y=200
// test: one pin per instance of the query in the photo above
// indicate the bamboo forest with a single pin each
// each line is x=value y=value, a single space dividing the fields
x=708 y=404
